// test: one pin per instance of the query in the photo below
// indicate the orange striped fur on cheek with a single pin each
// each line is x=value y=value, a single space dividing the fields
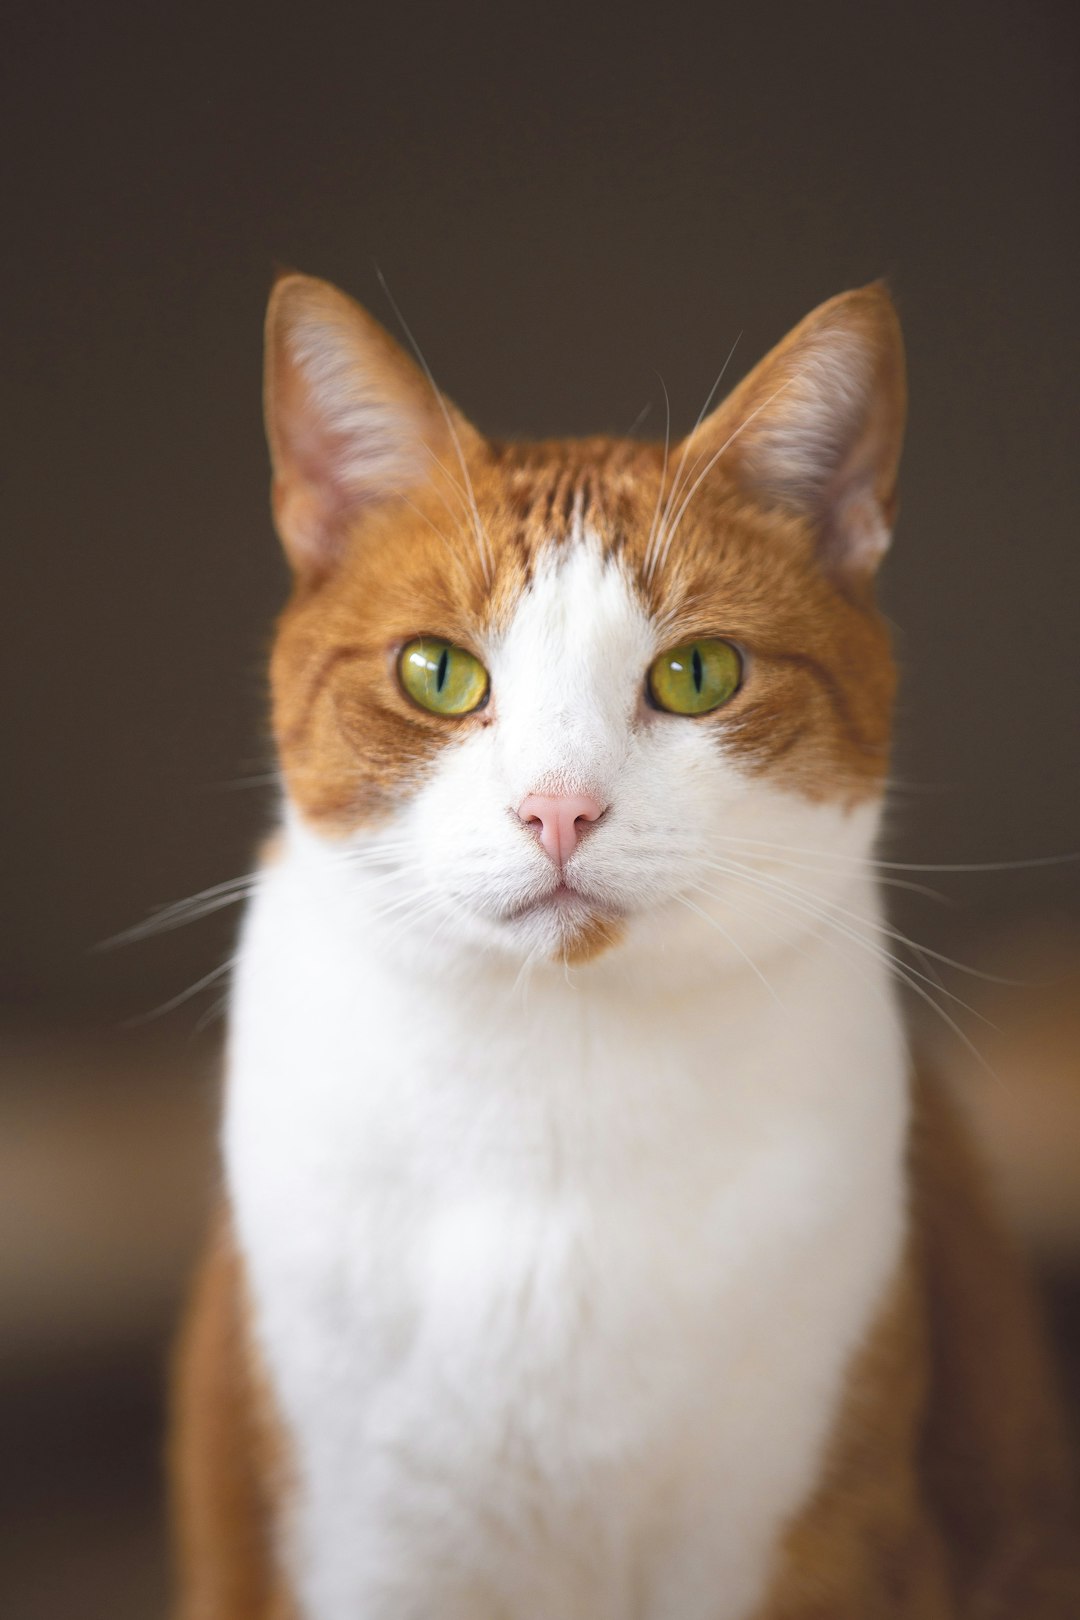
x=349 y=740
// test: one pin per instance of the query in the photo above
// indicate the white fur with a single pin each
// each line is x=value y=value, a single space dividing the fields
x=557 y=1274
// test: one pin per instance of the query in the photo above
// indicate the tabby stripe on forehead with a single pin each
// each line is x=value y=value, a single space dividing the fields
x=522 y=501
x=569 y=501
x=549 y=508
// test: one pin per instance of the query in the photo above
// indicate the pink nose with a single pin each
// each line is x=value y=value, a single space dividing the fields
x=558 y=820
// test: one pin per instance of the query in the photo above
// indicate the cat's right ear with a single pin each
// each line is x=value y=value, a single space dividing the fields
x=817 y=426
x=351 y=421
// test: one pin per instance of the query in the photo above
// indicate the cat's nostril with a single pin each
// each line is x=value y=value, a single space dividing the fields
x=559 y=820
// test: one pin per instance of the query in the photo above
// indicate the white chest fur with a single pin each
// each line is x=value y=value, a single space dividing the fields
x=556 y=1287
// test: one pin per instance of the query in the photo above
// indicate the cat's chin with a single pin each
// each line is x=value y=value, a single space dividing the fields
x=566 y=924
x=564 y=904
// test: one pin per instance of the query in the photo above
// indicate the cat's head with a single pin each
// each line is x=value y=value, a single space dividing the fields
x=550 y=698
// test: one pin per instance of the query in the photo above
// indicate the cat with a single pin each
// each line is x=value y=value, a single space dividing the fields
x=591 y=1247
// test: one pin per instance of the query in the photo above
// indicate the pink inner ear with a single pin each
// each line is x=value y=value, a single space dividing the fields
x=320 y=477
x=817 y=426
x=329 y=451
x=349 y=418
x=855 y=531
x=305 y=523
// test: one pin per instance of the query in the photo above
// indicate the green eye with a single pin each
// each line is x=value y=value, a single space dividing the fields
x=695 y=678
x=442 y=678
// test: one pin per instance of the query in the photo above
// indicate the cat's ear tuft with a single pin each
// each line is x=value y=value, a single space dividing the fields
x=817 y=427
x=351 y=421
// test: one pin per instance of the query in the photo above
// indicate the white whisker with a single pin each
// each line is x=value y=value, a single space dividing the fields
x=903 y=971
x=663 y=475
x=483 y=543
x=711 y=463
x=877 y=923
x=751 y=964
x=650 y=560
x=1032 y=862
x=177 y=913
x=185 y=995
x=812 y=904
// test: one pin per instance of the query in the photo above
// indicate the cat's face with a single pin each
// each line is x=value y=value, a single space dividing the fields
x=553 y=698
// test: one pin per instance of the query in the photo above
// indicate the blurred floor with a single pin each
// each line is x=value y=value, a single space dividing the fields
x=106 y=1170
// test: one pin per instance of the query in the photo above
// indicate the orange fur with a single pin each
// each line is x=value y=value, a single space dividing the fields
x=226 y=1457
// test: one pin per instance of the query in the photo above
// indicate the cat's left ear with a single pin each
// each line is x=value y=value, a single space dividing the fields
x=352 y=422
x=817 y=428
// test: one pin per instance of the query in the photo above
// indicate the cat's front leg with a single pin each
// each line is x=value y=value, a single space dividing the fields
x=893 y=1572
x=221 y=1459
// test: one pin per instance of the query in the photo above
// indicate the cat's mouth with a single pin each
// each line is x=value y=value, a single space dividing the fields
x=576 y=924
x=564 y=899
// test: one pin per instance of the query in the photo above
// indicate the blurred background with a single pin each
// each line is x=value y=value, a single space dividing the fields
x=567 y=203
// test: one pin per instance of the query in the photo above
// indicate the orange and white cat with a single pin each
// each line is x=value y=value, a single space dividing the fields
x=591 y=1251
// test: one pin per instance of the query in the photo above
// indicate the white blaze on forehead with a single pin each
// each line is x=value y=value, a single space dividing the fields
x=567 y=674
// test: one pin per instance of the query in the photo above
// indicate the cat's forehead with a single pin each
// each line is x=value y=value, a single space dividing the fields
x=553 y=511
x=567 y=511
x=557 y=492
x=527 y=529
x=464 y=554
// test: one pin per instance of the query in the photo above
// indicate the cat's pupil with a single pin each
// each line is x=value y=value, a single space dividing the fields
x=697 y=668
x=444 y=664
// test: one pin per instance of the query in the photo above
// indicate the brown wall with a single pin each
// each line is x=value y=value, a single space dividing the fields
x=565 y=205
